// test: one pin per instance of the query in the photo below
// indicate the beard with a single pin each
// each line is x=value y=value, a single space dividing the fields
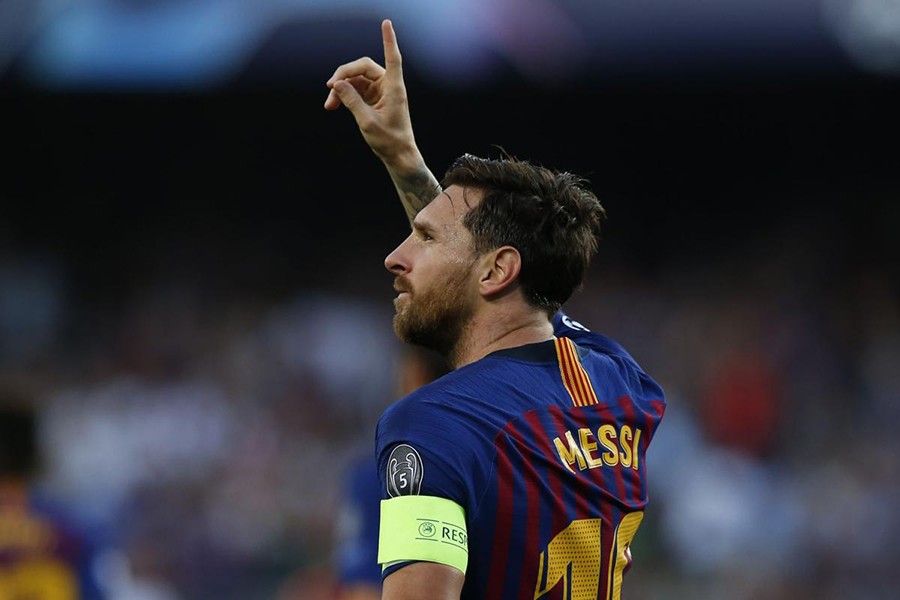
x=437 y=317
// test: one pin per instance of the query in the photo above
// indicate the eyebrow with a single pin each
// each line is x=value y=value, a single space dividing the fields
x=423 y=226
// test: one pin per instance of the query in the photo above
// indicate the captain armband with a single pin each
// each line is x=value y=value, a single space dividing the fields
x=423 y=528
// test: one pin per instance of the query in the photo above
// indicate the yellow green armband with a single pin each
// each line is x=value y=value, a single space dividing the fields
x=423 y=528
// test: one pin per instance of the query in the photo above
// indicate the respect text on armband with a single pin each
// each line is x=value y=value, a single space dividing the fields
x=441 y=531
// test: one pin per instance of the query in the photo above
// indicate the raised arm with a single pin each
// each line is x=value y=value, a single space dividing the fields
x=376 y=96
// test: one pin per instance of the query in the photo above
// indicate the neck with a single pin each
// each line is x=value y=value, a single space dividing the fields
x=495 y=330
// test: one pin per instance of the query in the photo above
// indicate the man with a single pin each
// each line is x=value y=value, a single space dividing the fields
x=42 y=555
x=521 y=473
x=356 y=564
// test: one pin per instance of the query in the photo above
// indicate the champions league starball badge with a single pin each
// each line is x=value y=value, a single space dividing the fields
x=404 y=471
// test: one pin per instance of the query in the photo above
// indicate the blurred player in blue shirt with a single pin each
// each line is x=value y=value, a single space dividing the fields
x=521 y=474
x=43 y=555
x=356 y=564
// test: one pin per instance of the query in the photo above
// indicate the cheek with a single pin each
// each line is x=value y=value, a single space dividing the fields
x=458 y=251
x=438 y=264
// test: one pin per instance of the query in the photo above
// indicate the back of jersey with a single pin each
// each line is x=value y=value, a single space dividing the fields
x=570 y=484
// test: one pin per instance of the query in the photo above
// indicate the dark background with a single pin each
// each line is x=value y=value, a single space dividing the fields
x=106 y=178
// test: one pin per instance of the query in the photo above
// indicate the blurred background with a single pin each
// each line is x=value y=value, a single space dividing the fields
x=192 y=289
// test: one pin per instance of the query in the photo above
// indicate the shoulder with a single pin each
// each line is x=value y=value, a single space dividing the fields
x=474 y=399
x=433 y=406
x=437 y=441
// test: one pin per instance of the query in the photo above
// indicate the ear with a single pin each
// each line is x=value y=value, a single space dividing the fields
x=499 y=271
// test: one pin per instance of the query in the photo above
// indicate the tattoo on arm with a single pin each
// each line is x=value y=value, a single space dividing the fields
x=416 y=190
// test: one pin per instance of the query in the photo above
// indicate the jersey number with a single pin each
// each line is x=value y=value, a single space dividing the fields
x=573 y=557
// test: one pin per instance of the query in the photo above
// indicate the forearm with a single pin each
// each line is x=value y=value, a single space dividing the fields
x=415 y=184
x=424 y=581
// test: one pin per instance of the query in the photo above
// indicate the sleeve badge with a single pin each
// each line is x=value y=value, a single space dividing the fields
x=404 y=471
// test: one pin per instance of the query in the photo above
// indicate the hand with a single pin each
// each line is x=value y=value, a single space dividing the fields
x=376 y=96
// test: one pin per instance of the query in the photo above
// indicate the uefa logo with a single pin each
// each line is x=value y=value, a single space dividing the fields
x=427 y=529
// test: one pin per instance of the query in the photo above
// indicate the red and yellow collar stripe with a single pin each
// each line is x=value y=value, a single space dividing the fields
x=574 y=377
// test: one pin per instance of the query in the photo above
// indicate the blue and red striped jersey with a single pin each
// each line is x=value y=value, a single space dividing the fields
x=543 y=446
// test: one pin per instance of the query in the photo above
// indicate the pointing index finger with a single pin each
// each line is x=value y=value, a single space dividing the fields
x=392 y=60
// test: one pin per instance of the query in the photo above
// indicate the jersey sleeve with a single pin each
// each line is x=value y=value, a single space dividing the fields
x=425 y=449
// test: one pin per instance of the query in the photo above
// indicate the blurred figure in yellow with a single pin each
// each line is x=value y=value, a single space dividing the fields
x=43 y=555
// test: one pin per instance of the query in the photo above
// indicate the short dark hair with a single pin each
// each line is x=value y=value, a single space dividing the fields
x=550 y=217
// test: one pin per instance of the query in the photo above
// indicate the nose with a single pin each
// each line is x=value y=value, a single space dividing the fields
x=397 y=262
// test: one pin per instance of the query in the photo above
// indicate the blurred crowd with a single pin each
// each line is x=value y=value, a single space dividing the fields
x=203 y=439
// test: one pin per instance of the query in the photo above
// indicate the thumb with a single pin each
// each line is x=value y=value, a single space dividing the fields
x=350 y=98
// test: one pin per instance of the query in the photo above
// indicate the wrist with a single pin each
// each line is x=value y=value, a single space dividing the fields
x=405 y=163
